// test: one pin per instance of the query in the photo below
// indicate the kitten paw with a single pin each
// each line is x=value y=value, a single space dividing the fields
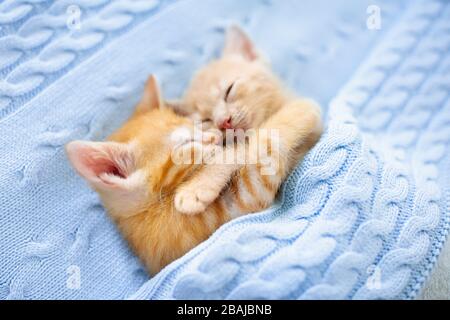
x=189 y=201
x=212 y=136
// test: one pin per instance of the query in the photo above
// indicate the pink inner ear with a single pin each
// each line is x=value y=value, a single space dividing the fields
x=94 y=160
x=102 y=165
x=238 y=42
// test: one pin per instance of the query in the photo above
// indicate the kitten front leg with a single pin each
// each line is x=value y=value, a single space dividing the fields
x=196 y=194
x=300 y=126
x=199 y=192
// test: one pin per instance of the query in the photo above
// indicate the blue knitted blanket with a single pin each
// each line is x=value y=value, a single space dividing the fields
x=364 y=216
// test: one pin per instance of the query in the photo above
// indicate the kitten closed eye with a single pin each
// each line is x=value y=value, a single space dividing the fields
x=227 y=93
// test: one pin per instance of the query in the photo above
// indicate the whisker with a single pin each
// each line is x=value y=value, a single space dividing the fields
x=241 y=115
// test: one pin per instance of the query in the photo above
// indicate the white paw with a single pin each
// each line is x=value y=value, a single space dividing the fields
x=190 y=201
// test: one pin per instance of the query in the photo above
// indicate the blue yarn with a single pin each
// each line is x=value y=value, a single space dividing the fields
x=363 y=217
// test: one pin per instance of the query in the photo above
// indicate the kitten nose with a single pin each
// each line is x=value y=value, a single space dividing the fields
x=226 y=124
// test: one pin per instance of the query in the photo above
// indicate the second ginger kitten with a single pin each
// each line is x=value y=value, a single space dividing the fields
x=239 y=91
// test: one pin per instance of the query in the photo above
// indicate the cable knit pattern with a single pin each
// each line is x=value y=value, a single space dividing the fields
x=364 y=216
x=49 y=59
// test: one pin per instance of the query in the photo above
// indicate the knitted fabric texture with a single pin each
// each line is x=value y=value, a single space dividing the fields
x=364 y=216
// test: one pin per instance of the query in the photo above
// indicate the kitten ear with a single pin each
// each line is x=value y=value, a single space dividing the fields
x=238 y=43
x=105 y=165
x=110 y=167
x=152 y=97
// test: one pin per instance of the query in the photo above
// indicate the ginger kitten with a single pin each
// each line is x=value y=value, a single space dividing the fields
x=138 y=180
x=238 y=92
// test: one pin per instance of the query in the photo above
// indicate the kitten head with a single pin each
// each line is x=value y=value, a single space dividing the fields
x=126 y=170
x=236 y=91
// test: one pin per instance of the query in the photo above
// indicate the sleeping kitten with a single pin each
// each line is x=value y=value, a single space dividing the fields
x=239 y=91
x=137 y=178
